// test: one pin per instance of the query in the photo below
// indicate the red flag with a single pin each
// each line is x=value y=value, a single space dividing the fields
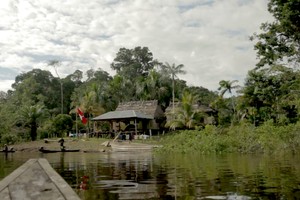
x=81 y=115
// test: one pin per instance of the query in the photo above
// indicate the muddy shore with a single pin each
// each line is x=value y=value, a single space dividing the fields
x=84 y=144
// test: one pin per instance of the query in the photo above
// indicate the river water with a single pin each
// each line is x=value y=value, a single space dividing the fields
x=145 y=175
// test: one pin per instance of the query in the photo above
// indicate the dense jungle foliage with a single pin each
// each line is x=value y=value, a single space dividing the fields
x=241 y=138
x=260 y=116
x=42 y=105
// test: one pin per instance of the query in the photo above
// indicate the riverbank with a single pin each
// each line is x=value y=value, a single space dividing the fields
x=84 y=144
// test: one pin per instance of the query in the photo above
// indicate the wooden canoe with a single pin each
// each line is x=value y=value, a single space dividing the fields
x=7 y=151
x=36 y=179
x=56 y=151
x=124 y=146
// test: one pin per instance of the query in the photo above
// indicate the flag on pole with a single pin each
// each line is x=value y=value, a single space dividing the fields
x=81 y=115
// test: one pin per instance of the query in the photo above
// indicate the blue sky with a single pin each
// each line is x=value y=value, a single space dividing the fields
x=210 y=38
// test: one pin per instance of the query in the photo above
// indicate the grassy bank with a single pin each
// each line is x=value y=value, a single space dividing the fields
x=244 y=138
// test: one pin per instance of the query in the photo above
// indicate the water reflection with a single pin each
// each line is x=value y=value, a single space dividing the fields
x=115 y=175
x=127 y=175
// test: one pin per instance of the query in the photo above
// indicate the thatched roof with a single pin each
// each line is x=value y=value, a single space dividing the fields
x=150 y=108
x=125 y=114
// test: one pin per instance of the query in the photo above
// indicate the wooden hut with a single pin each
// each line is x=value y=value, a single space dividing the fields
x=137 y=116
x=150 y=108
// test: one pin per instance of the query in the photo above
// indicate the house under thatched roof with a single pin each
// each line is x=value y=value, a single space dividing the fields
x=145 y=115
x=150 y=108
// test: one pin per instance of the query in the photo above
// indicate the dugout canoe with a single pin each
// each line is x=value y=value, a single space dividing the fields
x=56 y=151
x=36 y=179
x=7 y=151
x=128 y=146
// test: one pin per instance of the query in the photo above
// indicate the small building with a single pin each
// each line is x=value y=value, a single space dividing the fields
x=138 y=116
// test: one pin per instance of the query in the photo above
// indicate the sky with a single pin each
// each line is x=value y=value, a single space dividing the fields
x=209 y=37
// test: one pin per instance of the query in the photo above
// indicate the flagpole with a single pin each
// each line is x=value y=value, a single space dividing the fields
x=76 y=125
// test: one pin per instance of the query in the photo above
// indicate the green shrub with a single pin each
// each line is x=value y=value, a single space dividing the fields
x=43 y=134
x=9 y=139
x=243 y=138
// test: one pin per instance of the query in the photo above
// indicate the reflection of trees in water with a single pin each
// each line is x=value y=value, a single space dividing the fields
x=131 y=170
x=113 y=178
x=69 y=173
x=282 y=182
x=7 y=160
x=162 y=181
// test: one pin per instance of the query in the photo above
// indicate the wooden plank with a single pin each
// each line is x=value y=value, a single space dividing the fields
x=60 y=183
x=36 y=180
x=8 y=179
x=33 y=184
x=4 y=194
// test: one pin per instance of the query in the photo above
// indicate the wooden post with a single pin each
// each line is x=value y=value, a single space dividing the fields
x=135 y=126
x=77 y=135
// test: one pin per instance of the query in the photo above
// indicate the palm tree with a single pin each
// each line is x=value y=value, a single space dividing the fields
x=228 y=86
x=185 y=116
x=30 y=115
x=152 y=87
x=173 y=70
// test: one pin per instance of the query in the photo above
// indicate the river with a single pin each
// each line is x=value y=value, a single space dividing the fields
x=116 y=175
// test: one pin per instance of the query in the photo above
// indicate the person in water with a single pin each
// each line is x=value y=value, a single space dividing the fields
x=61 y=141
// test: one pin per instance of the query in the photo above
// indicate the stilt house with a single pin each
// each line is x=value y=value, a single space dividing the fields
x=138 y=116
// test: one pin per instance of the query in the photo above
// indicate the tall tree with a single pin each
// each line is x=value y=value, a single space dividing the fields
x=37 y=86
x=122 y=89
x=205 y=96
x=154 y=86
x=55 y=64
x=280 y=40
x=228 y=86
x=173 y=70
x=133 y=62
x=273 y=93
x=76 y=76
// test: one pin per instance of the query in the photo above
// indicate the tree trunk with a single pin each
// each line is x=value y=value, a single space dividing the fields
x=33 y=131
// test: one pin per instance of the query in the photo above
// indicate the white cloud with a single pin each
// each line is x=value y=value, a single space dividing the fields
x=210 y=37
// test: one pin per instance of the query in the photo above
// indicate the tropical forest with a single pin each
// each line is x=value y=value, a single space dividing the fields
x=259 y=115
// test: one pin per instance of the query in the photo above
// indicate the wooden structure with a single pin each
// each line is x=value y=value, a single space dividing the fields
x=36 y=180
x=150 y=108
x=135 y=116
